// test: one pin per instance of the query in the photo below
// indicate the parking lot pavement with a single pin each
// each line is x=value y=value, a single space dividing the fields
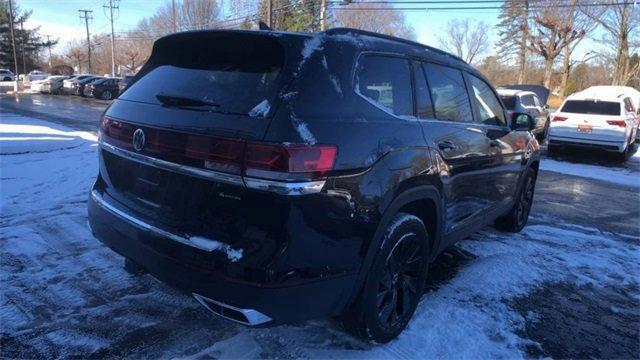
x=567 y=286
x=75 y=111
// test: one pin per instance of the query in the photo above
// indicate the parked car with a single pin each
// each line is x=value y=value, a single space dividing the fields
x=69 y=85
x=105 y=89
x=80 y=84
x=124 y=82
x=7 y=75
x=36 y=75
x=595 y=119
x=281 y=176
x=44 y=85
x=53 y=84
x=528 y=102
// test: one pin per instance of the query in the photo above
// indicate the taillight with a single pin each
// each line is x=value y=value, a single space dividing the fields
x=620 y=123
x=311 y=160
x=559 y=118
x=288 y=162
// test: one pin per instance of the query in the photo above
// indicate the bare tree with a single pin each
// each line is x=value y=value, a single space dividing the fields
x=189 y=15
x=621 y=25
x=466 y=39
x=76 y=53
x=513 y=30
x=389 y=22
x=553 y=32
x=579 y=23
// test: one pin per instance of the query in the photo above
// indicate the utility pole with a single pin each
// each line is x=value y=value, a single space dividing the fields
x=86 y=16
x=270 y=13
x=323 y=15
x=111 y=6
x=49 y=47
x=24 y=63
x=13 y=44
x=173 y=15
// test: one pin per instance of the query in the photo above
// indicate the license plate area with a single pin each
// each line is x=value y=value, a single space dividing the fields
x=585 y=128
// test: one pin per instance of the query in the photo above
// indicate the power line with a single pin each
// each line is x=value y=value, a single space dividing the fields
x=86 y=16
x=427 y=8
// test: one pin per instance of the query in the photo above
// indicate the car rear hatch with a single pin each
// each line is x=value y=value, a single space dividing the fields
x=182 y=145
x=592 y=119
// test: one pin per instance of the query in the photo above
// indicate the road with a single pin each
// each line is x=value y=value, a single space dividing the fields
x=566 y=287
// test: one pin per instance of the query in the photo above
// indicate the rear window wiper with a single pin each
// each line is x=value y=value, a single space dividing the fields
x=185 y=101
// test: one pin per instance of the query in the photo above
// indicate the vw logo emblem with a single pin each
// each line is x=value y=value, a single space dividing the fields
x=138 y=139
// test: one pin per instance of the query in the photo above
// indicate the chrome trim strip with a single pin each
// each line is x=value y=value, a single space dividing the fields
x=285 y=188
x=253 y=317
x=171 y=166
x=278 y=187
x=202 y=244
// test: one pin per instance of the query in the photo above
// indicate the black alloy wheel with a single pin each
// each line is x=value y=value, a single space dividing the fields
x=399 y=282
x=395 y=282
x=516 y=219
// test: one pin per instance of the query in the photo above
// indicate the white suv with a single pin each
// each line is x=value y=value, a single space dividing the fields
x=591 y=118
x=6 y=75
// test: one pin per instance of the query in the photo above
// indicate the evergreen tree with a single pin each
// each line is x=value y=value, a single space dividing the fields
x=29 y=43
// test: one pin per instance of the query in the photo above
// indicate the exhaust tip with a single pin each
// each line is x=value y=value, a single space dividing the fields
x=248 y=317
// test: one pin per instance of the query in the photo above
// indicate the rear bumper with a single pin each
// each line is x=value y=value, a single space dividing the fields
x=613 y=145
x=262 y=303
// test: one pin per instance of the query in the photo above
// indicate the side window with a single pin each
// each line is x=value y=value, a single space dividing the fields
x=536 y=101
x=486 y=103
x=527 y=100
x=386 y=81
x=423 y=97
x=448 y=92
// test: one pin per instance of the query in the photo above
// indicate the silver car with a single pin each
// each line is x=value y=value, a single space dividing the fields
x=528 y=102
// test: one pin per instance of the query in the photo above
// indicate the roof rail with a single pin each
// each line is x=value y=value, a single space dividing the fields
x=345 y=30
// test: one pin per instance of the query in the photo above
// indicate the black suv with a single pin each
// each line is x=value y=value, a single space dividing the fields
x=279 y=176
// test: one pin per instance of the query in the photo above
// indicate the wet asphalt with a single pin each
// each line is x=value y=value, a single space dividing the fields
x=573 y=321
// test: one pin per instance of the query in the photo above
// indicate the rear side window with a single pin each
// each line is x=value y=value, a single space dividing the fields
x=386 y=81
x=448 y=93
x=509 y=102
x=486 y=103
x=527 y=100
x=591 y=107
x=231 y=75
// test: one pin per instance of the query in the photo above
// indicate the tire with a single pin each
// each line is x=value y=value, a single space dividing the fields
x=516 y=219
x=395 y=282
x=624 y=155
x=6 y=78
x=552 y=151
x=106 y=95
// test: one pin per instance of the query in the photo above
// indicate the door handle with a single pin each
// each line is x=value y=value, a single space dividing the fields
x=446 y=145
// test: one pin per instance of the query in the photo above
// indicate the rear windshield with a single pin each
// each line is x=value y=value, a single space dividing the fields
x=591 y=107
x=509 y=102
x=236 y=76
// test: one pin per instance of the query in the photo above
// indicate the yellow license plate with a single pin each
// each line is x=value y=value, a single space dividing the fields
x=585 y=128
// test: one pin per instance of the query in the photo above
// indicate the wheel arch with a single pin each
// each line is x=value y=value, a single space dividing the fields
x=422 y=201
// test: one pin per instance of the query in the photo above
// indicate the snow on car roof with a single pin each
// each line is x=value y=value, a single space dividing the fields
x=594 y=94
x=512 y=92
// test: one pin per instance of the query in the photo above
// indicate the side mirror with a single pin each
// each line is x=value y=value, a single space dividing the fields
x=546 y=106
x=522 y=122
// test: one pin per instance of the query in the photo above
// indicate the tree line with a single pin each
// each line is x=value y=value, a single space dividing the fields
x=537 y=39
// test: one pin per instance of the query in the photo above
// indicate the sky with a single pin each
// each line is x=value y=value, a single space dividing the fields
x=60 y=19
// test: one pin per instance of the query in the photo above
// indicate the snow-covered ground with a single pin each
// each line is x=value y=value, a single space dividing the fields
x=63 y=294
x=618 y=175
